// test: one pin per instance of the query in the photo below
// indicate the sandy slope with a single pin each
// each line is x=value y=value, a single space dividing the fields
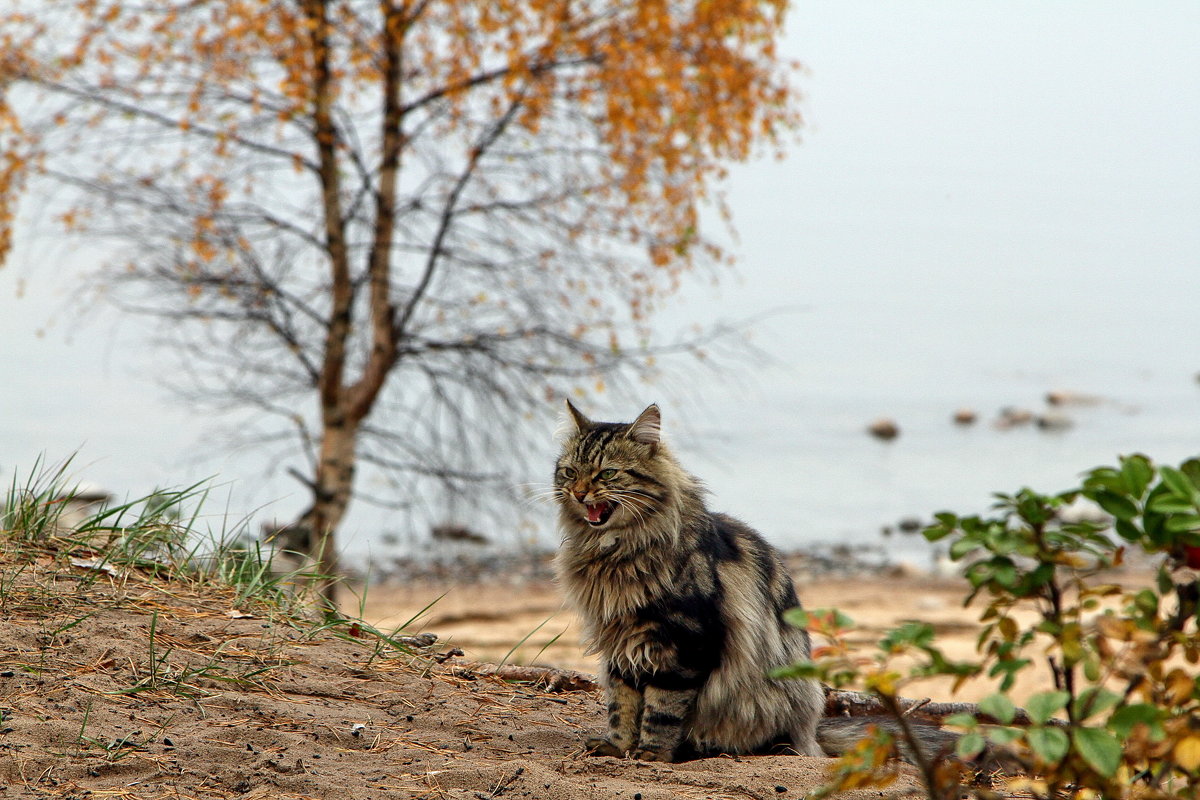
x=117 y=686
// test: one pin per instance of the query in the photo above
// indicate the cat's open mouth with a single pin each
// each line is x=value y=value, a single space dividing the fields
x=598 y=513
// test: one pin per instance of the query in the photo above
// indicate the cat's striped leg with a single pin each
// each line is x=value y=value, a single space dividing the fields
x=663 y=719
x=624 y=719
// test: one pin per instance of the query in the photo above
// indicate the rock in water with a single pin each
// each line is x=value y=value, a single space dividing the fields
x=884 y=429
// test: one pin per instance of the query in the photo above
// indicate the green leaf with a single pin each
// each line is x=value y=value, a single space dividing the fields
x=979 y=573
x=1127 y=530
x=1179 y=484
x=1049 y=744
x=1009 y=667
x=806 y=618
x=1094 y=700
x=946 y=523
x=1182 y=523
x=1146 y=601
x=1032 y=507
x=961 y=547
x=1137 y=471
x=969 y=745
x=1120 y=507
x=1163 y=581
x=961 y=720
x=1004 y=736
x=1123 y=720
x=1042 y=705
x=1099 y=748
x=1042 y=574
x=801 y=669
x=842 y=620
x=796 y=617
x=1106 y=478
x=917 y=634
x=999 y=707
x=1005 y=572
x=1170 y=504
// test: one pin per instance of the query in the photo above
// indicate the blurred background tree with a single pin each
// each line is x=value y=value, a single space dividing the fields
x=394 y=227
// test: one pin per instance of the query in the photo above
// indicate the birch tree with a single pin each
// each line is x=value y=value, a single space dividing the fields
x=394 y=226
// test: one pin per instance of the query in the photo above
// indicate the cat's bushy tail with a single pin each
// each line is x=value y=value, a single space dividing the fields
x=836 y=735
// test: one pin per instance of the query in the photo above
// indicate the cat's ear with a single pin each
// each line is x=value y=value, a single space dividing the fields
x=580 y=421
x=647 y=427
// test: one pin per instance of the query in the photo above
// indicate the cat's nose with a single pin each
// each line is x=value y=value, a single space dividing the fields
x=579 y=495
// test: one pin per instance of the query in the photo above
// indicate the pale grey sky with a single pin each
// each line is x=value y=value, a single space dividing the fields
x=991 y=199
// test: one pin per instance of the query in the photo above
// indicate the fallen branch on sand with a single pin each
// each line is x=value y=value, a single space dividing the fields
x=845 y=703
x=548 y=678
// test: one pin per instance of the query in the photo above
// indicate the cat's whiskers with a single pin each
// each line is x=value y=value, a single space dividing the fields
x=538 y=493
x=633 y=500
x=542 y=497
x=633 y=510
x=638 y=507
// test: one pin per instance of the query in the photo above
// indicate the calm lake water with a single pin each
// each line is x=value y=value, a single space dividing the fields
x=804 y=471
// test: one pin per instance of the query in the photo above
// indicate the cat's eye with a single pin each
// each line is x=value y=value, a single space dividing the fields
x=606 y=474
x=567 y=473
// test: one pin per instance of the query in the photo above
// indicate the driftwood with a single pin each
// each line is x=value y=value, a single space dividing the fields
x=548 y=678
x=844 y=703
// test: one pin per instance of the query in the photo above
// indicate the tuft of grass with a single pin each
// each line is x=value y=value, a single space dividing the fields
x=32 y=508
x=161 y=535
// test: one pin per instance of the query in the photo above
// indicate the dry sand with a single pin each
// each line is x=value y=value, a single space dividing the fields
x=114 y=685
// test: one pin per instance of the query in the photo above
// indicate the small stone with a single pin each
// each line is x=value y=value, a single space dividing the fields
x=884 y=429
x=1054 y=422
x=1012 y=416
x=781 y=789
x=1061 y=398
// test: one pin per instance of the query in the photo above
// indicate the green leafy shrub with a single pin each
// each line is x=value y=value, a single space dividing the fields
x=1123 y=718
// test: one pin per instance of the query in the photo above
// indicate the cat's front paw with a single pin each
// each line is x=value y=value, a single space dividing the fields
x=599 y=746
x=649 y=754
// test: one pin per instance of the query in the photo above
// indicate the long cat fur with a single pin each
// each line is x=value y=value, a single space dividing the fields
x=684 y=608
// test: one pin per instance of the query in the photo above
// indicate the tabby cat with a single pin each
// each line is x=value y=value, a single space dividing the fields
x=683 y=606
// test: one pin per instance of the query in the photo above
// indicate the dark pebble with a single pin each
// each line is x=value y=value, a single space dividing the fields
x=781 y=789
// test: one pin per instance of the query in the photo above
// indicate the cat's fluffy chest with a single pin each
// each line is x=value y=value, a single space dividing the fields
x=606 y=590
